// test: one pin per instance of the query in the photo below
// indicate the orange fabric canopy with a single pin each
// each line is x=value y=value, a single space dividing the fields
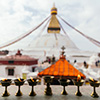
x=62 y=68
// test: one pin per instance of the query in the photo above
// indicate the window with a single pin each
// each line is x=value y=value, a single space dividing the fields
x=33 y=69
x=11 y=72
x=11 y=62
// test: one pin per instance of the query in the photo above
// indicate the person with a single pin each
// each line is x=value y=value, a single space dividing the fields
x=75 y=64
x=75 y=61
x=68 y=61
x=85 y=64
x=96 y=64
x=53 y=59
x=49 y=60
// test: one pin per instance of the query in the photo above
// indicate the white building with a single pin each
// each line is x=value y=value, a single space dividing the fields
x=16 y=66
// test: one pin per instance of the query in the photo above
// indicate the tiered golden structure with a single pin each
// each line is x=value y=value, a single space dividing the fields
x=54 y=26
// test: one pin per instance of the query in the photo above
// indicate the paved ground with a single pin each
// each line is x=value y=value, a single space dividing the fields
x=39 y=89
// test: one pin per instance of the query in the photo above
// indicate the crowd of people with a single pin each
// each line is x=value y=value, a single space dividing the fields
x=50 y=60
x=87 y=70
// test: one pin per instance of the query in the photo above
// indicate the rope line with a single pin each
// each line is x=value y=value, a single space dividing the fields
x=63 y=30
x=89 y=38
x=24 y=35
x=40 y=33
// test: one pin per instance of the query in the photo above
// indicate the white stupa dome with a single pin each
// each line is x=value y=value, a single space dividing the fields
x=49 y=41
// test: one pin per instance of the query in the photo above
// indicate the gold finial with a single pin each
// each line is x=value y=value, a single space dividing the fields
x=53 y=4
x=53 y=10
x=54 y=26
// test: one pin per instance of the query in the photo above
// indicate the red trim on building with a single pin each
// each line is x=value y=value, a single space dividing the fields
x=18 y=62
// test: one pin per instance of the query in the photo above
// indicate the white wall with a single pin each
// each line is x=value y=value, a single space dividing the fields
x=18 y=70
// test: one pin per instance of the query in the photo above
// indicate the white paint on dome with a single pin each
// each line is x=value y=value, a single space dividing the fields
x=49 y=41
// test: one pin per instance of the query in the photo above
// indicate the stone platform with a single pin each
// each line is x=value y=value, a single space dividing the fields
x=86 y=90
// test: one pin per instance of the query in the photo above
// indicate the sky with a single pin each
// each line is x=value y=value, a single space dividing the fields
x=20 y=16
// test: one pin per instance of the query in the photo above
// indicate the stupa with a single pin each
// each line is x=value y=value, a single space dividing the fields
x=53 y=40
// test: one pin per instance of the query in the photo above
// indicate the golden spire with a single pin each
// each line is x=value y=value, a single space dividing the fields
x=54 y=26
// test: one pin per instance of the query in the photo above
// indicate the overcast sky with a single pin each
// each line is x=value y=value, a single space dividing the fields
x=19 y=16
